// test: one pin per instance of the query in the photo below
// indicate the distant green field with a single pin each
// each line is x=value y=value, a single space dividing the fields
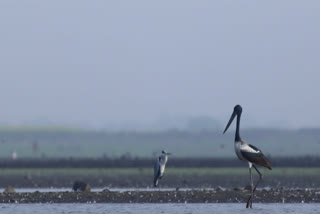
x=64 y=142
x=169 y=171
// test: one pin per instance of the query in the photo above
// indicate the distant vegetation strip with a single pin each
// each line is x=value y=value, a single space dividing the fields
x=67 y=142
x=307 y=161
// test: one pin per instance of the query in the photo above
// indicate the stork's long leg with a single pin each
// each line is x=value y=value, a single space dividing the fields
x=249 y=202
x=251 y=181
x=251 y=185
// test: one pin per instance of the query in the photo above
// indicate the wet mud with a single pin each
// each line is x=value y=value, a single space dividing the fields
x=193 y=196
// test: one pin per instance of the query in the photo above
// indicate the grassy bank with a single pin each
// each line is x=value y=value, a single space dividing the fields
x=55 y=142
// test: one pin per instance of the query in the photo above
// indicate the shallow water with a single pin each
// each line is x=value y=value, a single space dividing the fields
x=101 y=189
x=159 y=208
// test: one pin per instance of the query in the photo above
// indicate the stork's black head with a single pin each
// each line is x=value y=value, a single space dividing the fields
x=236 y=112
x=237 y=109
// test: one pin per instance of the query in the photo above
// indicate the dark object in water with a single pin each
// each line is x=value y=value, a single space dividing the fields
x=80 y=186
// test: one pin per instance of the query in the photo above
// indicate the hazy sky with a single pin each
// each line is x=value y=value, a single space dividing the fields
x=96 y=63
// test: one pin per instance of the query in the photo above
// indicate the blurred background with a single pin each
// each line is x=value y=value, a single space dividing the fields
x=127 y=79
x=93 y=79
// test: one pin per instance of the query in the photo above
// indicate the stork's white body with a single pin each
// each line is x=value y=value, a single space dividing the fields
x=241 y=146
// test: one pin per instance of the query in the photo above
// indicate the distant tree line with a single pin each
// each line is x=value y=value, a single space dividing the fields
x=127 y=162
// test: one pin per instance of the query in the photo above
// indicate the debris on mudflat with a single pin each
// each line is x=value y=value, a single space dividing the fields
x=219 y=188
x=191 y=196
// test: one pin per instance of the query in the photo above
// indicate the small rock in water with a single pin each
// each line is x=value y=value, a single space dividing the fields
x=238 y=189
x=9 y=189
x=106 y=190
x=80 y=186
x=177 y=188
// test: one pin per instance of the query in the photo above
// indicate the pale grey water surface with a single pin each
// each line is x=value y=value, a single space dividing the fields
x=159 y=208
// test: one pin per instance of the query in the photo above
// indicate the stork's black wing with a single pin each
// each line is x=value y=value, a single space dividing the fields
x=255 y=156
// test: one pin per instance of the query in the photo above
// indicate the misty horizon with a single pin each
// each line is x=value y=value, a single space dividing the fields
x=195 y=123
x=156 y=65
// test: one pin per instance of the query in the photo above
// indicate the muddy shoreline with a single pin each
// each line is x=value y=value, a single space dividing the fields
x=142 y=181
x=192 y=196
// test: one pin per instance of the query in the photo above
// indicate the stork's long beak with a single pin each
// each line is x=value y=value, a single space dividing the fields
x=230 y=121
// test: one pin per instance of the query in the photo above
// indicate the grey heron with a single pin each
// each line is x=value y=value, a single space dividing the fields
x=247 y=152
x=159 y=167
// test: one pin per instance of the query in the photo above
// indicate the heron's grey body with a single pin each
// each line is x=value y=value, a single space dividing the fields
x=159 y=167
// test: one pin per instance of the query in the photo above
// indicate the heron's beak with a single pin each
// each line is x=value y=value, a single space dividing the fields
x=168 y=153
x=230 y=121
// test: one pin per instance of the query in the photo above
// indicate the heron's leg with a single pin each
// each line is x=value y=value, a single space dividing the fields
x=249 y=202
x=158 y=186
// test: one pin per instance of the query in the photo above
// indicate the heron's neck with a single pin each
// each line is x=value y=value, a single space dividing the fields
x=237 y=137
x=163 y=158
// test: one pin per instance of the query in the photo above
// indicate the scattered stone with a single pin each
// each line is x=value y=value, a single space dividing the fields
x=219 y=188
x=9 y=189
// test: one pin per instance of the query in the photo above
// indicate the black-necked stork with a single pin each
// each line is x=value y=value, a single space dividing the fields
x=247 y=152
x=159 y=167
